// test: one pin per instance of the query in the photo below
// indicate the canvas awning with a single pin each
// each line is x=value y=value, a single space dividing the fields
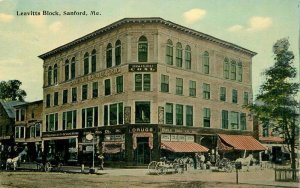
x=112 y=147
x=271 y=139
x=183 y=147
x=240 y=142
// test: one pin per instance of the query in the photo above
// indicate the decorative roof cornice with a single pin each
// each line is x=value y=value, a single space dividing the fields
x=147 y=20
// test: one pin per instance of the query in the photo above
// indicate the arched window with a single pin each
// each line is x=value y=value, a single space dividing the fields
x=188 y=57
x=49 y=75
x=73 y=68
x=86 y=63
x=240 y=72
x=233 y=70
x=55 y=74
x=178 y=54
x=226 y=68
x=143 y=49
x=169 y=52
x=94 y=61
x=109 y=55
x=67 y=71
x=205 y=61
x=118 y=52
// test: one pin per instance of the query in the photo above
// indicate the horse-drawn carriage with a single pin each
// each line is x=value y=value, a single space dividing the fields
x=164 y=166
x=52 y=163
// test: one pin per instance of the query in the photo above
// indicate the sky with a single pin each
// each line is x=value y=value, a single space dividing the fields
x=255 y=25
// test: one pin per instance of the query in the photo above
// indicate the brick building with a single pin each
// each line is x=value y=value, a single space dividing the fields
x=144 y=87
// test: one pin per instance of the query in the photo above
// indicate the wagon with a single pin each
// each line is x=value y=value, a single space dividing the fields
x=52 y=164
x=163 y=167
x=225 y=164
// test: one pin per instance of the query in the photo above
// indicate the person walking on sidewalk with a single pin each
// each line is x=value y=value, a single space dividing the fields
x=101 y=158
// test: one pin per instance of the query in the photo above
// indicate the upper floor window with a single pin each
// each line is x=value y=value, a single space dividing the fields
x=179 y=86
x=234 y=96
x=74 y=94
x=109 y=55
x=169 y=113
x=164 y=83
x=73 y=68
x=246 y=98
x=107 y=87
x=233 y=70
x=89 y=117
x=178 y=54
x=179 y=114
x=205 y=61
x=48 y=100
x=95 y=89
x=189 y=115
x=142 y=82
x=19 y=132
x=67 y=70
x=69 y=120
x=118 y=52
x=192 y=88
x=142 y=112
x=243 y=121
x=65 y=96
x=86 y=66
x=143 y=49
x=119 y=84
x=55 y=100
x=84 y=93
x=52 y=122
x=49 y=75
x=188 y=57
x=55 y=74
x=240 y=72
x=113 y=114
x=222 y=93
x=94 y=61
x=225 y=120
x=206 y=91
x=226 y=68
x=20 y=114
x=234 y=120
x=169 y=52
x=206 y=117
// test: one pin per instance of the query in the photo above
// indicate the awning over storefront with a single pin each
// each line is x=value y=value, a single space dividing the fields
x=183 y=147
x=240 y=142
x=271 y=139
x=112 y=147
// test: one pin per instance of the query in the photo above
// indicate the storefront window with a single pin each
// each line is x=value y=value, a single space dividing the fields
x=142 y=112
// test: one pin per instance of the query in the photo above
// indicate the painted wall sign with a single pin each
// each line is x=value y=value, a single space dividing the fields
x=142 y=68
x=175 y=137
x=58 y=134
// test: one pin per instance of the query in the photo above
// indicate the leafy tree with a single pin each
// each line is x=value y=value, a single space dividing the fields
x=10 y=90
x=278 y=97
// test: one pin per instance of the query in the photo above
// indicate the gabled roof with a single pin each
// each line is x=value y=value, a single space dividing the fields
x=157 y=20
x=9 y=107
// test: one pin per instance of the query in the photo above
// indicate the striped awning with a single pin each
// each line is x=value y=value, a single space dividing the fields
x=271 y=139
x=241 y=142
x=183 y=147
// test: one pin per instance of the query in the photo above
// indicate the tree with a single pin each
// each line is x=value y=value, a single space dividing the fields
x=10 y=90
x=278 y=97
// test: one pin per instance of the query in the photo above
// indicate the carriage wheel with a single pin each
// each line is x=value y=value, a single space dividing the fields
x=47 y=167
x=151 y=167
x=228 y=167
x=160 y=168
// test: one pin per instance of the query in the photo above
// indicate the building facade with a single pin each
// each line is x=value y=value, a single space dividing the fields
x=140 y=82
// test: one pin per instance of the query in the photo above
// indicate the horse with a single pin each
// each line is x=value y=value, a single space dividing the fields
x=14 y=161
x=245 y=161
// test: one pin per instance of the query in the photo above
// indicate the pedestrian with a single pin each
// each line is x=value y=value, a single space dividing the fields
x=101 y=158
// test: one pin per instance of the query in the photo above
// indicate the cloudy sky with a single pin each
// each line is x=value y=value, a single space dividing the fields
x=255 y=25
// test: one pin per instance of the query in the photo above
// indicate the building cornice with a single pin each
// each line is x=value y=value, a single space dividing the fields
x=158 y=20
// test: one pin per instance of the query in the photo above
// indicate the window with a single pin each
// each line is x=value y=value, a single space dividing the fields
x=119 y=84
x=192 y=88
x=20 y=115
x=169 y=113
x=243 y=121
x=84 y=93
x=234 y=96
x=205 y=61
x=246 y=98
x=224 y=119
x=226 y=68
x=179 y=86
x=233 y=70
x=67 y=71
x=143 y=49
x=222 y=93
x=142 y=82
x=164 y=83
x=55 y=74
x=32 y=131
x=188 y=57
x=49 y=76
x=74 y=94
x=206 y=117
x=189 y=115
x=73 y=68
x=234 y=120
x=38 y=130
x=169 y=52
x=107 y=90
x=106 y=115
x=178 y=55
x=55 y=102
x=113 y=114
x=179 y=114
x=65 y=96
x=48 y=100
x=109 y=56
x=52 y=122
x=86 y=66
x=265 y=132
x=142 y=112
x=89 y=117
x=240 y=72
x=95 y=90
x=69 y=120
x=19 y=132
x=206 y=91
x=94 y=61
x=118 y=52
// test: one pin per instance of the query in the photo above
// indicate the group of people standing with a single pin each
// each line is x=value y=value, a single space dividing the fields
x=203 y=161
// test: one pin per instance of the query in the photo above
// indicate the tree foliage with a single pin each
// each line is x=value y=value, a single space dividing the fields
x=277 y=96
x=10 y=90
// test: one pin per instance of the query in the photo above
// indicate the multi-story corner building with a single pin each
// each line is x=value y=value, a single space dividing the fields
x=28 y=125
x=145 y=84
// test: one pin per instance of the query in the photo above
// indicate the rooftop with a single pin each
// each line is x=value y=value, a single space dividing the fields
x=9 y=107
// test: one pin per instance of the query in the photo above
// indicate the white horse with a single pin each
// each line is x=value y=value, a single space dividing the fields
x=14 y=161
x=245 y=161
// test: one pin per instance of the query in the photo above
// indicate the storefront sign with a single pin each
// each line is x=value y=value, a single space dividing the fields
x=142 y=129
x=165 y=137
x=175 y=137
x=142 y=68
x=119 y=137
x=59 y=134
x=189 y=138
x=174 y=130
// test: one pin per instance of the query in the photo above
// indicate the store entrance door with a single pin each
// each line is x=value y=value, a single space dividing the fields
x=142 y=152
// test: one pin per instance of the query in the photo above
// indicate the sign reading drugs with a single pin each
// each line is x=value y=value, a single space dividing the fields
x=142 y=68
